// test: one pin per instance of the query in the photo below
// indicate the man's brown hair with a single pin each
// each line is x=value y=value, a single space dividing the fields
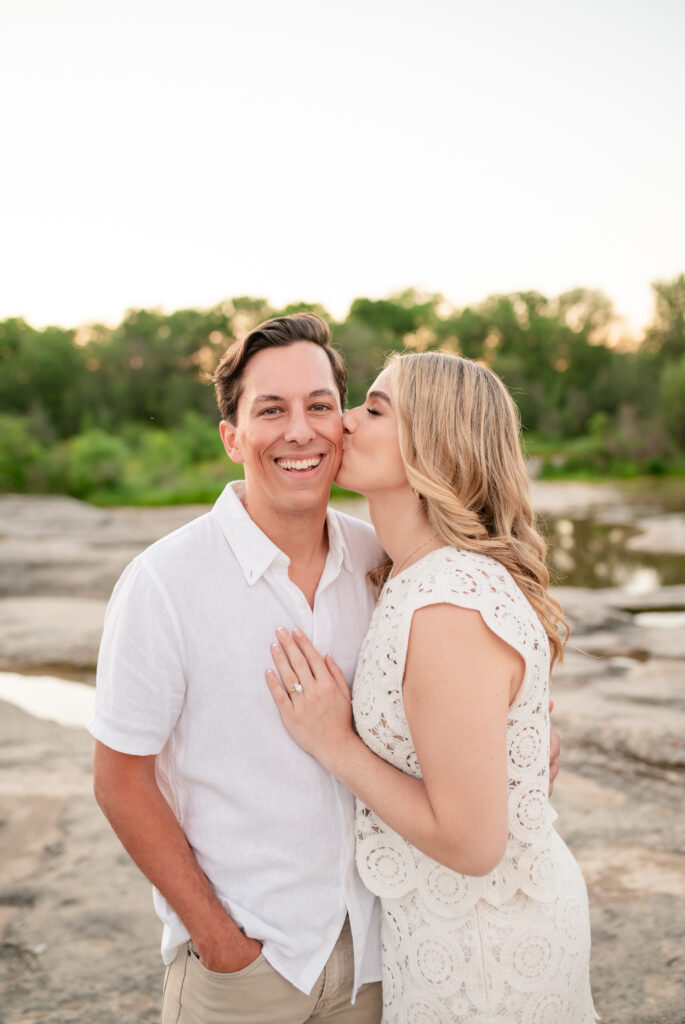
x=279 y=332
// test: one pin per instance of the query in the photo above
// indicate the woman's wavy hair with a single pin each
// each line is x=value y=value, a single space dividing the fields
x=459 y=434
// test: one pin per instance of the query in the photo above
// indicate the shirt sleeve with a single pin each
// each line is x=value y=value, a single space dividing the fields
x=140 y=673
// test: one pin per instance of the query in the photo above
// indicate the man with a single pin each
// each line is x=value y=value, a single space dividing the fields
x=248 y=842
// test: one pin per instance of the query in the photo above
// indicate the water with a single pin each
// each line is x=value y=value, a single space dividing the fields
x=587 y=551
x=590 y=547
x=56 y=700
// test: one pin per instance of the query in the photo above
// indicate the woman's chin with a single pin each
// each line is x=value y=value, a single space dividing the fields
x=346 y=481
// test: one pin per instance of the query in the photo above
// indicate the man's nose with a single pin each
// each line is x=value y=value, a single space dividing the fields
x=299 y=427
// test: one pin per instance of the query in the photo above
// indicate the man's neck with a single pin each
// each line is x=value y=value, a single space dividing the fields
x=301 y=535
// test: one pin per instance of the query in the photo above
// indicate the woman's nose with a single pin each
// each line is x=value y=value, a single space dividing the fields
x=348 y=421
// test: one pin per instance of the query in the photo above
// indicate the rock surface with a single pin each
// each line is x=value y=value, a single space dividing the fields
x=660 y=533
x=78 y=937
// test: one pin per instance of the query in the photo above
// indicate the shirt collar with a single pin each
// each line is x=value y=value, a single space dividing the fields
x=253 y=550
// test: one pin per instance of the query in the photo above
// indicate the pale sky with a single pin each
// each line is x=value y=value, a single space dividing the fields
x=173 y=153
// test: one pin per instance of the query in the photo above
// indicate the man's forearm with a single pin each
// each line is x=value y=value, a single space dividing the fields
x=128 y=794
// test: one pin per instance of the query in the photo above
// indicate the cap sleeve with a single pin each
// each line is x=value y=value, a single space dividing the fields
x=479 y=583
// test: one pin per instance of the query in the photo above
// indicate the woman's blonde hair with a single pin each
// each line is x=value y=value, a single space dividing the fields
x=459 y=434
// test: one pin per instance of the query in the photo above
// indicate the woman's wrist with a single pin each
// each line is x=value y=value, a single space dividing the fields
x=342 y=760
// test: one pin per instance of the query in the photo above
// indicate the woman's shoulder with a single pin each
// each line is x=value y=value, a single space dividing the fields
x=461 y=570
x=468 y=579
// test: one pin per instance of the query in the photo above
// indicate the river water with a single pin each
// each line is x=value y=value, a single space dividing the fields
x=57 y=700
x=588 y=551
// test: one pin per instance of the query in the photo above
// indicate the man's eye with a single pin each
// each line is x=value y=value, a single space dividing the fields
x=270 y=411
x=321 y=407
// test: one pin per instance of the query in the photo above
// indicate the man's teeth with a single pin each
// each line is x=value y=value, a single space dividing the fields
x=299 y=463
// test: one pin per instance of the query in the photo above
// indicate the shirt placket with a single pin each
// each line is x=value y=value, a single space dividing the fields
x=324 y=638
x=317 y=623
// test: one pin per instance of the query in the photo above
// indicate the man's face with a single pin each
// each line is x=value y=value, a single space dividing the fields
x=288 y=433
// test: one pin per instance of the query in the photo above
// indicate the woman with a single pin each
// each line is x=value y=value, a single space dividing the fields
x=484 y=910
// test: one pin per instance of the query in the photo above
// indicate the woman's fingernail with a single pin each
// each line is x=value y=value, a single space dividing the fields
x=282 y=631
x=297 y=632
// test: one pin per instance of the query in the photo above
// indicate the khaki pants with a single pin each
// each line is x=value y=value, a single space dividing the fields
x=260 y=995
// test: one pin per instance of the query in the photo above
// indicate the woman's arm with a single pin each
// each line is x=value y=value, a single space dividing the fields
x=458 y=682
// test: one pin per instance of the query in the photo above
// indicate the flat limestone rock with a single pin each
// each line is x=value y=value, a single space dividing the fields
x=51 y=567
x=47 y=515
x=549 y=498
x=40 y=632
x=79 y=941
x=660 y=533
x=53 y=545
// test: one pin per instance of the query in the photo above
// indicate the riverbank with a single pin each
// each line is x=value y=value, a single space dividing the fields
x=78 y=938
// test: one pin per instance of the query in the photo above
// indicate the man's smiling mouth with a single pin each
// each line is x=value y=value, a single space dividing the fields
x=299 y=464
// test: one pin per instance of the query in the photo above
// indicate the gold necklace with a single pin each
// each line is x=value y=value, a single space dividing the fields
x=425 y=544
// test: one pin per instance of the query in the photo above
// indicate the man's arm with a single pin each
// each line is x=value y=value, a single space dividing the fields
x=126 y=789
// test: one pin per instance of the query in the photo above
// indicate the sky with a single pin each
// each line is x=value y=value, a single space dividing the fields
x=175 y=153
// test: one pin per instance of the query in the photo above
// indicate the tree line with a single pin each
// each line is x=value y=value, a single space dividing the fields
x=127 y=413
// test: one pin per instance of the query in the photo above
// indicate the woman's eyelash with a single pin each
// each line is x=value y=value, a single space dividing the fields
x=372 y=412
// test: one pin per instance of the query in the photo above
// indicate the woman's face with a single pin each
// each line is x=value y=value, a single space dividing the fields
x=371 y=459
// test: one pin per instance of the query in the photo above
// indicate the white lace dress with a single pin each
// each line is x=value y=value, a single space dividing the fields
x=512 y=946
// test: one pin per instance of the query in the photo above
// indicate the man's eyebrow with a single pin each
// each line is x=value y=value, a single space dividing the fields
x=382 y=395
x=259 y=399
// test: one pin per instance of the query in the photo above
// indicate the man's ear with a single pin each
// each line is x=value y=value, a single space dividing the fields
x=229 y=438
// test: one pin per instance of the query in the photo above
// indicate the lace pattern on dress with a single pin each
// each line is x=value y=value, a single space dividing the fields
x=388 y=864
x=512 y=946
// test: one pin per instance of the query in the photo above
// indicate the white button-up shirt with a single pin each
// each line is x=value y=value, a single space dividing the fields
x=181 y=675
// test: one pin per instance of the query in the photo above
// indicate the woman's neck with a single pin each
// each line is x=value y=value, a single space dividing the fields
x=402 y=527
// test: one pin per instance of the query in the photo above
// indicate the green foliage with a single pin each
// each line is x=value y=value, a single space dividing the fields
x=41 y=372
x=197 y=438
x=26 y=465
x=626 y=446
x=673 y=399
x=666 y=335
x=385 y=317
x=364 y=350
x=302 y=307
x=128 y=413
x=96 y=463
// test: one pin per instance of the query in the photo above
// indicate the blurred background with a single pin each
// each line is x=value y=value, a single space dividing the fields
x=500 y=180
